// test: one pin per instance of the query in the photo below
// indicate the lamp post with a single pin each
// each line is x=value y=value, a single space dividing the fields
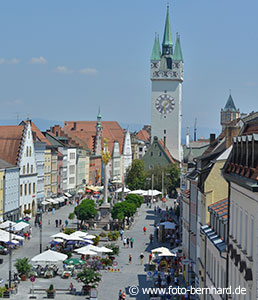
x=40 y=233
x=105 y=158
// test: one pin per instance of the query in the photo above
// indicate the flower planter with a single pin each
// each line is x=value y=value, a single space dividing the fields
x=51 y=294
x=23 y=277
x=6 y=294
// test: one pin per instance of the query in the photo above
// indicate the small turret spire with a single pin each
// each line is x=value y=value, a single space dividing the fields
x=178 y=56
x=156 y=53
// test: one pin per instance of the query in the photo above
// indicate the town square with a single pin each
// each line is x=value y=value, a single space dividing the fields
x=128 y=150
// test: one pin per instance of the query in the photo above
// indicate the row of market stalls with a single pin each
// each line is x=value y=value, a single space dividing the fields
x=59 y=201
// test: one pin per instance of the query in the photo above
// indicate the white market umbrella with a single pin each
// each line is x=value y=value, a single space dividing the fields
x=151 y=193
x=20 y=226
x=159 y=250
x=86 y=252
x=79 y=233
x=126 y=190
x=49 y=256
x=166 y=253
x=89 y=237
x=74 y=238
x=60 y=235
x=91 y=248
x=6 y=224
x=58 y=240
x=168 y=225
x=105 y=250
x=137 y=192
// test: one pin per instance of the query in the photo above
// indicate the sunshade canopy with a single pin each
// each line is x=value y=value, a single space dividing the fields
x=49 y=256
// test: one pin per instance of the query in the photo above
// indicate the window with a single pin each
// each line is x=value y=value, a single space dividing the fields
x=29 y=188
x=72 y=169
x=20 y=189
x=25 y=189
x=246 y=231
x=28 y=168
x=30 y=151
x=160 y=154
x=27 y=151
x=140 y=149
x=232 y=220
x=240 y=226
x=151 y=154
x=71 y=180
x=31 y=168
x=151 y=167
x=23 y=170
x=236 y=222
x=28 y=134
x=165 y=131
x=34 y=188
x=2 y=184
x=72 y=155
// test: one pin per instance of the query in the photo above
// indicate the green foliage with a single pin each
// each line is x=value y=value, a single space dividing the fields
x=113 y=235
x=123 y=209
x=86 y=210
x=96 y=240
x=171 y=177
x=51 y=288
x=114 y=248
x=69 y=254
x=69 y=230
x=89 y=277
x=22 y=266
x=71 y=216
x=135 y=175
x=27 y=211
x=2 y=290
x=102 y=234
x=106 y=261
x=136 y=199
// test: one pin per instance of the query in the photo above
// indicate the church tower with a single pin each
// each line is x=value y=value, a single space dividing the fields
x=167 y=78
x=98 y=138
x=229 y=113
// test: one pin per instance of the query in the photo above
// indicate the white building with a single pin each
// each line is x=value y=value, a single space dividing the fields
x=116 y=174
x=11 y=191
x=167 y=78
x=40 y=161
x=71 y=168
x=127 y=151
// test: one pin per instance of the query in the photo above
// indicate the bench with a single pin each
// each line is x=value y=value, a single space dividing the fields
x=44 y=290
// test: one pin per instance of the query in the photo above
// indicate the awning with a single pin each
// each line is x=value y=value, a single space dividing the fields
x=19 y=226
x=45 y=202
x=6 y=224
x=52 y=201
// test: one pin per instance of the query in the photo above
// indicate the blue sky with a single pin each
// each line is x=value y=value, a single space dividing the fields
x=60 y=60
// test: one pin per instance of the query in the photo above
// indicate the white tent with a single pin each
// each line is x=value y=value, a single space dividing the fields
x=79 y=233
x=68 y=195
x=20 y=226
x=49 y=256
x=160 y=250
x=87 y=252
x=52 y=201
x=91 y=248
x=5 y=236
x=120 y=190
x=60 y=235
x=89 y=237
x=105 y=249
x=151 y=193
x=6 y=224
x=137 y=192
x=168 y=225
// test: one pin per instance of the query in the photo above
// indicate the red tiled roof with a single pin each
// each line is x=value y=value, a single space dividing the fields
x=172 y=159
x=10 y=140
x=143 y=135
x=219 y=207
x=86 y=131
x=186 y=193
x=39 y=134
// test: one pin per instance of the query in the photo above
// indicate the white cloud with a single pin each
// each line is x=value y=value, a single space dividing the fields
x=89 y=71
x=13 y=61
x=62 y=69
x=2 y=61
x=38 y=60
x=14 y=102
x=250 y=83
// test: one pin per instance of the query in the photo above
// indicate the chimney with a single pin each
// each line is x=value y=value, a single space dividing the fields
x=187 y=138
x=212 y=137
x=74 y=126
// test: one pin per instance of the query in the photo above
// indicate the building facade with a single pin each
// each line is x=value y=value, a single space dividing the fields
x=167 y=78
x=71 y=168
x=40 y=161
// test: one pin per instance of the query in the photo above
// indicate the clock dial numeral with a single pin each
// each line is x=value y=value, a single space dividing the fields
x=165 y=104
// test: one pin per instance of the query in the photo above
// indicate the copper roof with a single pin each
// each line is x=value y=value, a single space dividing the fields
x=10 y=140
x=86 y=131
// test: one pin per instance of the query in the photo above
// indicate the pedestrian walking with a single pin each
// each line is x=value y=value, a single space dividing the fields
x=60 y=222
x=120 y=295
x=131 y=241
x=130 y=258
x=141 y=258
x=144 y=229
x=123 y=295
x=175 y=280
x=121 y=234
x=56 y=223
x=150 y=258
x=151 y=238
x=66 y=223
x=124 y=241
x=168 y=279
x=127 y=242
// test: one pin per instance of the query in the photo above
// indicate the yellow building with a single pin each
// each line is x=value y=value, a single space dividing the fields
x=54 y=183
x=47 y=176
x=1 y=195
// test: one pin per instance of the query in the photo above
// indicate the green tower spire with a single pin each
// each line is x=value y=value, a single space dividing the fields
x=178 y=56
x=167 y=44
x=156 y=53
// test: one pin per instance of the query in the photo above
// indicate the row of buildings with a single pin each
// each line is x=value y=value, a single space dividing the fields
x=36 y=166
x=219 y=203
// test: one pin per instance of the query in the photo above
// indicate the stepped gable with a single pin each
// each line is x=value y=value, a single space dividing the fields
x=10 y=143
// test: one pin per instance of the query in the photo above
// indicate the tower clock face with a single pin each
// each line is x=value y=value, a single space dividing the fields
x=165 y=104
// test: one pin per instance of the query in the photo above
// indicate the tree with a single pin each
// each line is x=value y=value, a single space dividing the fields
x=89 y=277
x=136 y=199
x=85 y=210
x=22 y=266
x=135 y=175
x=123 y=209
x=71 y=216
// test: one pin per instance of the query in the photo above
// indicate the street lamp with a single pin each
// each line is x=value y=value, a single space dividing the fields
x=10 y=255
x=163 y=190
x=40 y=232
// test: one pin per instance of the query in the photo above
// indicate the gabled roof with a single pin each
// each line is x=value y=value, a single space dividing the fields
x=39 y=135
x=143 y=135
x=86 y=131
x=171 y=158
x=10 y=141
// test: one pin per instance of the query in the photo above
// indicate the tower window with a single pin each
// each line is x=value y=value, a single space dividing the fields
x=165 y=131
x=160 y=154
x=151 y=154
x=169 y=63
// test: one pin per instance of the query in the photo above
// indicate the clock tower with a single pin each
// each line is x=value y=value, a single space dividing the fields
x=167 y=78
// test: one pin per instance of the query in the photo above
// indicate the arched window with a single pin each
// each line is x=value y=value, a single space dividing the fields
x=28 y=168
x=31 y=169
x=34 y=188
x=27 y=151
x=30 y=151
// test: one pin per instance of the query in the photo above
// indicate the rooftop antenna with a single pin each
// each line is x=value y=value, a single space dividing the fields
x=17 y=118
x=195 y=129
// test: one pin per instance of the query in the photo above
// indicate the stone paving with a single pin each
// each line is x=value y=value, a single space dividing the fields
x=133 y=274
